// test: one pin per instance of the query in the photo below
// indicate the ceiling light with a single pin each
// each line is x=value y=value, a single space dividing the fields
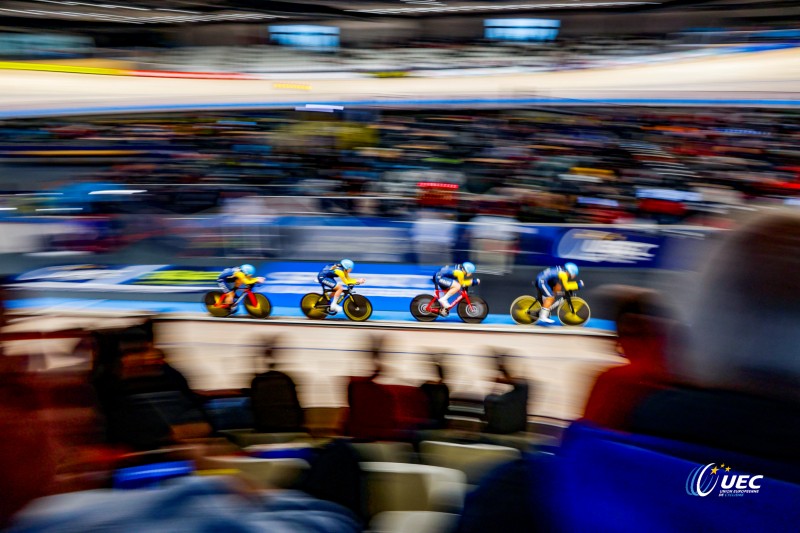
x=119 y=191
x=402 y=10
x=177 y=10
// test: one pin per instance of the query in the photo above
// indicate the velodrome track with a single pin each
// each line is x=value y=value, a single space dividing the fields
x=222 y=353
x=756 y=78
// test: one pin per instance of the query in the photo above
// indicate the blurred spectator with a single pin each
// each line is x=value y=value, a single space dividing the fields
x=26 y=455
x=434 y=236
x=335 y=476
x=507 y=411
x=737 y=360
x=643 y=326
x=147 y=402
x=438 y=395
x=493 y=238
x=381 y=411
x=737 y=399
x=276 y=406
x=186 y=504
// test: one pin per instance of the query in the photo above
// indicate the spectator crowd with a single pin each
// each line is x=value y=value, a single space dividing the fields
x=554 y=165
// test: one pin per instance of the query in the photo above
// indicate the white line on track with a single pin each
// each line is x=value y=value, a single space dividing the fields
x=382 y=324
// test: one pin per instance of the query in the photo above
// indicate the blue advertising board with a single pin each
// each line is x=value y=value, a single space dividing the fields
x=590 y=246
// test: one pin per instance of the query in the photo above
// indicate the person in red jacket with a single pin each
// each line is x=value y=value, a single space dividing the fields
x=643 y=325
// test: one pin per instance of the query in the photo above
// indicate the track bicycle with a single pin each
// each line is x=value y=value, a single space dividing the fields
x=570 y=309
x=356 y=306
x=256 y=304
x=473 y=310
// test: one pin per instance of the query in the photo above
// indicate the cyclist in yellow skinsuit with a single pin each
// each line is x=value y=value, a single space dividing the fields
x=451 y=279
x=232 y=278
x=551 y=281
x=334 y=277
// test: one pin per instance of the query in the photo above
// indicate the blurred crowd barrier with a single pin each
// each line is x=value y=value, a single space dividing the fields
x=562 y=367
x=497 y=243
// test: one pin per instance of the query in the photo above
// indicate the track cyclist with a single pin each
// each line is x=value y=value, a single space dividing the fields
x=334 y=277
x=451 y=279
x=232 y=278
x=553 y=280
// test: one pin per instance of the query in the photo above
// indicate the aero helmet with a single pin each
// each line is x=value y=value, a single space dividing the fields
x=572 y=269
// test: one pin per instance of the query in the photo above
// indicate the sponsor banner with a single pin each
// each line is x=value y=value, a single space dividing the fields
x=120 y=278
x=608 y=246
x=593 y=246
x=177 y=277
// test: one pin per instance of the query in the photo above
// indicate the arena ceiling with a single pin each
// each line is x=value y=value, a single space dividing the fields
x=49 y=13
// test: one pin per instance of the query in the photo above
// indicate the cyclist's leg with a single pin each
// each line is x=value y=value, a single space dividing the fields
x=337 y=292
x=454 y=288
x=546 y=295
x=227 y=293
x=329 y=286
x=451 y=286
x=235 y=293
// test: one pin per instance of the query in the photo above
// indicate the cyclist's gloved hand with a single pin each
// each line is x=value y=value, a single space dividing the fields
x=580 y=283
x=361 y=281
x=476 y=282
x=261 y=280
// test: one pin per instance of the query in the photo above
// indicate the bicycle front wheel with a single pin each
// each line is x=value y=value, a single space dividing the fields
x=357 y=308
x=473 y=312
x=525 y=310
x=261 y=309
x=211 y=299
x=581 y=315
x=314 y=306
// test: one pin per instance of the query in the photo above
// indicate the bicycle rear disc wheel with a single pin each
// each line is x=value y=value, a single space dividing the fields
x=211 y=299
x=314 y=306
x=525 y=310
x=473 y=312
x=262 y=307
x=357 y=308
x=581 y=315
x=419 y=308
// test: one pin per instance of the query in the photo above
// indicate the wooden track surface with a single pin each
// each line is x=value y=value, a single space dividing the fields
x=768 y=74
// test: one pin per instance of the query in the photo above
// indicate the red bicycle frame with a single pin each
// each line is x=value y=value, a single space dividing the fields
x=245 y=291
x=463 y=295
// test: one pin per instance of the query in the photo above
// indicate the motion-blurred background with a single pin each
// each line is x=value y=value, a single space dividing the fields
x=145 y=146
